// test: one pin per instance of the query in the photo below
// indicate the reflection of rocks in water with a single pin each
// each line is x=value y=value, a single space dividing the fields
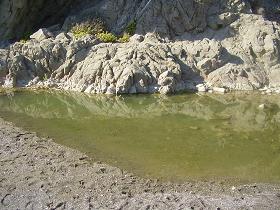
x=210 y=135
x=235 y=111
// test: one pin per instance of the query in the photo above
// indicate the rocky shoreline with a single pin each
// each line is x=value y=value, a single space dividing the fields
x=219 y=46
x=204 y=46
x=37 y=173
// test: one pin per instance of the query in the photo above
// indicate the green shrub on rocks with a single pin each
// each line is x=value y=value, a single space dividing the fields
x=131 y=28
x=125 y=38
x=97 y=28
x=81 y=30
x=107 y=37
x=45 y=77
x=23 y=41
x=25 y=37
x=277 y=10
x=92 y=27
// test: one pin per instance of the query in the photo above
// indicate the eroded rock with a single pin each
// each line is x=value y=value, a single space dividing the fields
x=41 y=34
x=242 y=53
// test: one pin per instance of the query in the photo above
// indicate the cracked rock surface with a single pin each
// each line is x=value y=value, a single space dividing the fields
x=178 y=45
x=248 y=61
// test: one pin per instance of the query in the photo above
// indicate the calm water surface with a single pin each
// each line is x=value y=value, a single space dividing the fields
x=182 y=137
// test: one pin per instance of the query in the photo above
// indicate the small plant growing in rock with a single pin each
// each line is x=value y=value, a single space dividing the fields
x=131 y=28
x=25 y=37
x=81 y=30
x=23 y=41
x=125 y=38
x=92 y=27
x=277 y=10
x=45 y=77
x=107 y=37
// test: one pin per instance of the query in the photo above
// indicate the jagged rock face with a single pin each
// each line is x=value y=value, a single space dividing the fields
x=21 y=17
x=216 y=42
x=168 y=18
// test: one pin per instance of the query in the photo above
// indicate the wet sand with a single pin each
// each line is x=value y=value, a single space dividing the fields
x=37 y=173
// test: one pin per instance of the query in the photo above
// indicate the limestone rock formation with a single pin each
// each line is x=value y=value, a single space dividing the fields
x=178 y=46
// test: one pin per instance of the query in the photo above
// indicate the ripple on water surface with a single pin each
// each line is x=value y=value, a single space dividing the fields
x=177 y=138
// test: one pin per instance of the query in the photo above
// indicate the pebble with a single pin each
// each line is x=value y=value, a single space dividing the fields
x=219 y=90
x=201 y=88
x=262 y=106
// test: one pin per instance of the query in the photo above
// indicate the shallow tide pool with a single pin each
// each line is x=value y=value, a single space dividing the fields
x=174 y=138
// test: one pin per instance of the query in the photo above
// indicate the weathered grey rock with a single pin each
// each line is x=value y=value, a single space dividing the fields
x=220 y=21
x=20 y=18
x=137 y=38
x=222 y=48
x=41 y=34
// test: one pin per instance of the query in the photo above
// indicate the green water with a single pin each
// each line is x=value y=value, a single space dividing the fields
x=177 y=138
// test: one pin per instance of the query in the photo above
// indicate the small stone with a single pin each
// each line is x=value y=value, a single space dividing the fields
x=219 y=90
x=200 y=85
x=194 y=127
x=201 y=88
x=137 y=38
x=62 y=36
x=268 y=91
x=41 y=34
x=262 y=106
